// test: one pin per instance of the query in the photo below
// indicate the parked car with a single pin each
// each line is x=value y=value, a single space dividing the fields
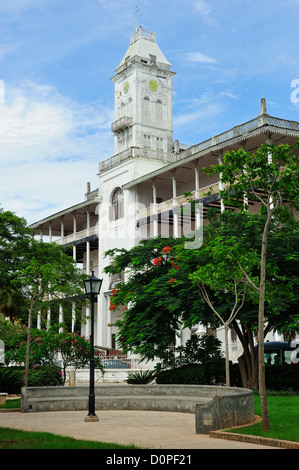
x=115 y=364
x=281 y=352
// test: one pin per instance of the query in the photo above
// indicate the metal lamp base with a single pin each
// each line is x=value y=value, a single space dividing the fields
x=91 y=419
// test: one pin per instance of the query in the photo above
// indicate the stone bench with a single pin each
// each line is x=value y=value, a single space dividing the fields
x=215 y=407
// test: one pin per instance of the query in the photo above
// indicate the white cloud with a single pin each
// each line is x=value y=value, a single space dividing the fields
x=18 y=5
x=199 y=57
x=202 y=7
x=197 y=111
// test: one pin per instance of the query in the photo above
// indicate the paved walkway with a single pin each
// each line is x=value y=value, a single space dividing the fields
x=146 y=429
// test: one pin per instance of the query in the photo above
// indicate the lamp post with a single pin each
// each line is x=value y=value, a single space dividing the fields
x=92 y=288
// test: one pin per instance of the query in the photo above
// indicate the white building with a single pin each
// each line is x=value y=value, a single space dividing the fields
x=141 y=184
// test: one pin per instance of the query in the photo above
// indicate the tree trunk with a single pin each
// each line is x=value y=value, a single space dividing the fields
x=25 y=381
x=227 y=375
x=248 y=360
x=261 y=361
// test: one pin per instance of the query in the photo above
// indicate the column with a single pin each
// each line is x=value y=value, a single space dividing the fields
x=196 y=172
x=198 y=209
x=62 y=228
x=87 y=222
x=155 y=212
x=50 y=233
x=48 y=318
x=39 y=315
x=109 y=336
x=60 y=315
x=222 y=207
x=74 y=236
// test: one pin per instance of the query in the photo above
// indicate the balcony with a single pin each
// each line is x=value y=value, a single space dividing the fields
x=77 y=236
x=175 y=203
x=121 y=124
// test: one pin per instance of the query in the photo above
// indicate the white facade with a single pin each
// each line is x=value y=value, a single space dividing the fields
x=143 y=182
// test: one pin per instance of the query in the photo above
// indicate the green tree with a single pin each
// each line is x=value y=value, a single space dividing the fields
x=14 y=236
x=152 y=309
x=45 y=274
x=46 y=345
x=160 y=295
x=269 y=177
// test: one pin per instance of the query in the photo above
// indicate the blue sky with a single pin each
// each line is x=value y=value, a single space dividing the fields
x=56 y=96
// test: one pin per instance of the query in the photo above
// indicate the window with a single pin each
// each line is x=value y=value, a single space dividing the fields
x=159 y=109
x=147 y=141
x=117 y=204
x=146 y=106
x=153 y=59
x=122 y=109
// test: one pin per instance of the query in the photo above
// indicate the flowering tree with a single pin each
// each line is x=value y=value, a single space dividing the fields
x=162 y=293
x=45 y=274
x=153 y=310
x=269 y=177
x=47 y=345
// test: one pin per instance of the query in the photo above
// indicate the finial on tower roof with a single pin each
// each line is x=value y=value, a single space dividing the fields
x=263 y=106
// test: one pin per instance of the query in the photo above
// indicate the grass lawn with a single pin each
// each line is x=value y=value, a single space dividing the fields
x=283 y=416
x=15 y=439
x=12 y=403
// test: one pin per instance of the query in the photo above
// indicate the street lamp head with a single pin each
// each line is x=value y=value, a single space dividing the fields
x=92 y=285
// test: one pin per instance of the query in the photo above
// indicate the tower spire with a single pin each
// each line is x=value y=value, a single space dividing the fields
x=137 y=18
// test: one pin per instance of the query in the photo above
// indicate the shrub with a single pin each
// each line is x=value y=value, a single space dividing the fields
x=142 y=377
x=11 y=378
x=278 y=377
x=209 y=373
x=282 y=377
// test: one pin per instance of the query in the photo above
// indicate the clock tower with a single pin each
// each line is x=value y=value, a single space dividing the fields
x=143 y=97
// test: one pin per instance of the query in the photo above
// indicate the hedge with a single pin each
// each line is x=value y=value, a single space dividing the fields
x=278 y=377
x=11 y=378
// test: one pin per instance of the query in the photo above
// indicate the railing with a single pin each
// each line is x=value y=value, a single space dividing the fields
x=142 y=33
x=136 y=152
x=238 y=131
x=68 y=239
x=121 y=363
x=179 y=200
x=121 y=123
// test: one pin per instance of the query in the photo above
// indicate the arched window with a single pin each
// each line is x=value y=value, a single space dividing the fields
x=117 y=204
x=146 y=106
x=122 y=109
x=130 y=106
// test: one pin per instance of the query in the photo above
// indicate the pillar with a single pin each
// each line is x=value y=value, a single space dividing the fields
x=50 y=233
x=196 y=174
x=155 y=212
x=222 y=207
x=48 y=318
x=60 y=315
x=62 y=228
x=74 y=236
x=174 y=203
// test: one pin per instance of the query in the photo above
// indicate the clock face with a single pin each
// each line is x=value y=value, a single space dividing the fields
x=126 y=87
x=153 y=85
